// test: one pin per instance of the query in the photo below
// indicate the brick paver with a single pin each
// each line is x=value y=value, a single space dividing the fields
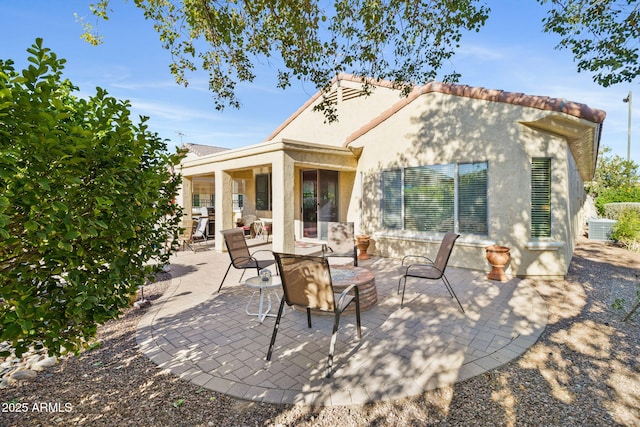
x=207 y=338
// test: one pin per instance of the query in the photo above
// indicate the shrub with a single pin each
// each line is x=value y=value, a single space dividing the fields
x=85 y=204
x=617 y=195
x=614 y=210
x=627 y=230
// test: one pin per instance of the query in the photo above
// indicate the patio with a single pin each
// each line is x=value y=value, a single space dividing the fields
x=208 y=339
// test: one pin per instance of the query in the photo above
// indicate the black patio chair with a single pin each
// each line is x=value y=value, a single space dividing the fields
x=432 y=270
x=239 y=253
x=306 y=282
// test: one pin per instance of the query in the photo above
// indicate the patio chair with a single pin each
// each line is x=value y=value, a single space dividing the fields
x=306 y=282
x=340 y=242
x=432 y=270
x=198 y=234
x=239 y=253
x=247 y=224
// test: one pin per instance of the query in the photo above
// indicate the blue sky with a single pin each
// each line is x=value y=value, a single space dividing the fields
x=510 y=53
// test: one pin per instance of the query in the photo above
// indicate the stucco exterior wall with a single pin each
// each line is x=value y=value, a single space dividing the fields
x=353 y=113
x=439 y=129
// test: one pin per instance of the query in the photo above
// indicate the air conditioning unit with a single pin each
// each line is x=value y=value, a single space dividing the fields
x=601 y=229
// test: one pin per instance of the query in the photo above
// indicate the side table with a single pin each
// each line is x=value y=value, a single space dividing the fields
x=263 y=287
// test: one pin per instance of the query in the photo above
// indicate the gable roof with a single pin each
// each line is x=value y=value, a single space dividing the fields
x=581 y=111
x=578 y=110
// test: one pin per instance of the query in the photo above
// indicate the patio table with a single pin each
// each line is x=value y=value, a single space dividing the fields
x=263 y=287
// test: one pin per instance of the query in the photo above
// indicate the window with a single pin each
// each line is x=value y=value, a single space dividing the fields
x=472 y=198
x=392 y=206
x=438 y=198
x=263 y=192
x=540 y=197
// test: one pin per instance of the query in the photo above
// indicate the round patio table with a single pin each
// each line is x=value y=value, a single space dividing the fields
x=263 y=287
x=343 y=276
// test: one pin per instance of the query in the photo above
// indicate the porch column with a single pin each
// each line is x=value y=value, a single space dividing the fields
x=282 y=179
x=223 y=205
x=187 y=201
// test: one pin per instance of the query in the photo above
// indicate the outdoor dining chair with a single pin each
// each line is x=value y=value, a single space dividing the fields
x=340 y=242
x=196 y=235
x=239 y=253
x=432 y=270
x=306 y=282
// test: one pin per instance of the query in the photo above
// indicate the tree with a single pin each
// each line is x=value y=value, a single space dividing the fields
x=85 y=205
x=602 y=35
x=402 y=41
x=613 y=172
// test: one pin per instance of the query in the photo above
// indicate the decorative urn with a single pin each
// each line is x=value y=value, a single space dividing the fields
x=498 y=257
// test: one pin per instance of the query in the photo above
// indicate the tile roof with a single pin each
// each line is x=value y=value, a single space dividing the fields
x=202 y=150
x=560 y=105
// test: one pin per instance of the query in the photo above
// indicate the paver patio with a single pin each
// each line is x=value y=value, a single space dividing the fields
x=208 y=339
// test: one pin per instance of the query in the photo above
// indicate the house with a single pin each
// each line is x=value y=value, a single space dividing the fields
x=497 y=167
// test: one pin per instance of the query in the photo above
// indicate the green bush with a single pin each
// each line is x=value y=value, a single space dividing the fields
x=627 y=230
x=85 y=205
x=614 y=210
x=616 y=195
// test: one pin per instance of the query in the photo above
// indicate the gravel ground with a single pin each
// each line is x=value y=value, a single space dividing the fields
x=584 y=371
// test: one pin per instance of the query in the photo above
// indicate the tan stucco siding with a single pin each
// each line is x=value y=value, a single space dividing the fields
x=439 y=129
x=353 y=113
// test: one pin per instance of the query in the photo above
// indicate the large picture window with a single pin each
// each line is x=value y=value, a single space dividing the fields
x=436 y=198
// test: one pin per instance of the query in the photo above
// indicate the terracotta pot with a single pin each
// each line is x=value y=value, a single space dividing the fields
x=362 y=243
x=498 y=257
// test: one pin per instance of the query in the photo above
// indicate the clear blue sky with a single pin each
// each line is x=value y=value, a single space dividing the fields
x=510 y=53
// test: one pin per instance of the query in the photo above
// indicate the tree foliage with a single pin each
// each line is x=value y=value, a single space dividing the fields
x=603 y=36
x=402 y=41
x=85 y=204
x=613 y=173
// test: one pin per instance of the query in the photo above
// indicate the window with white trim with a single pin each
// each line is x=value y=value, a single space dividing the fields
x=436 y=198
x=540 y=197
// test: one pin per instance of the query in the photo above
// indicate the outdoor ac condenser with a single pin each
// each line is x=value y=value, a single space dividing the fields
x=601 y=228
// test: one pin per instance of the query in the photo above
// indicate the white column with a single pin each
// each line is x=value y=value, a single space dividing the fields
x=282 y=180
x=187 y=201
x=224 y=206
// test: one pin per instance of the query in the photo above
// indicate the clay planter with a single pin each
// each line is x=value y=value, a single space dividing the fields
x=498 y=257
x=362 y=243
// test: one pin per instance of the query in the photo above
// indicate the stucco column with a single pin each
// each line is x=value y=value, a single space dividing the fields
x=187 y=201
x=224 y=206
x=283 y=197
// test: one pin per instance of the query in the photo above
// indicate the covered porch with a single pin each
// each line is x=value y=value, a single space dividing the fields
x=296 y=186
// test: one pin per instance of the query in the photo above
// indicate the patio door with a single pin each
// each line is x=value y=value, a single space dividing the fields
x=319 y=202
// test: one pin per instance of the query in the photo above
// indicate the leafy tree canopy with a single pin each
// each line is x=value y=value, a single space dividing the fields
x=402 y=41
x=613 y=173
x=85 y=205
x=603 y=36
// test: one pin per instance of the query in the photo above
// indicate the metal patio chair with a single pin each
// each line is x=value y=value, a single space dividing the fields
x=340 y=242
x=239 y=253
x=306 y=282
x=198 y=234
x=432 y=270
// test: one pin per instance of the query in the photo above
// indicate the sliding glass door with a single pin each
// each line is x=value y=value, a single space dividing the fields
x=319 y=202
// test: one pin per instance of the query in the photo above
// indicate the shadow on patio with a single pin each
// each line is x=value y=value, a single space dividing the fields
x=208 y=339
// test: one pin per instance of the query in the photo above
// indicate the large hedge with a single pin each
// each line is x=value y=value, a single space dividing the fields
x=85 y=205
